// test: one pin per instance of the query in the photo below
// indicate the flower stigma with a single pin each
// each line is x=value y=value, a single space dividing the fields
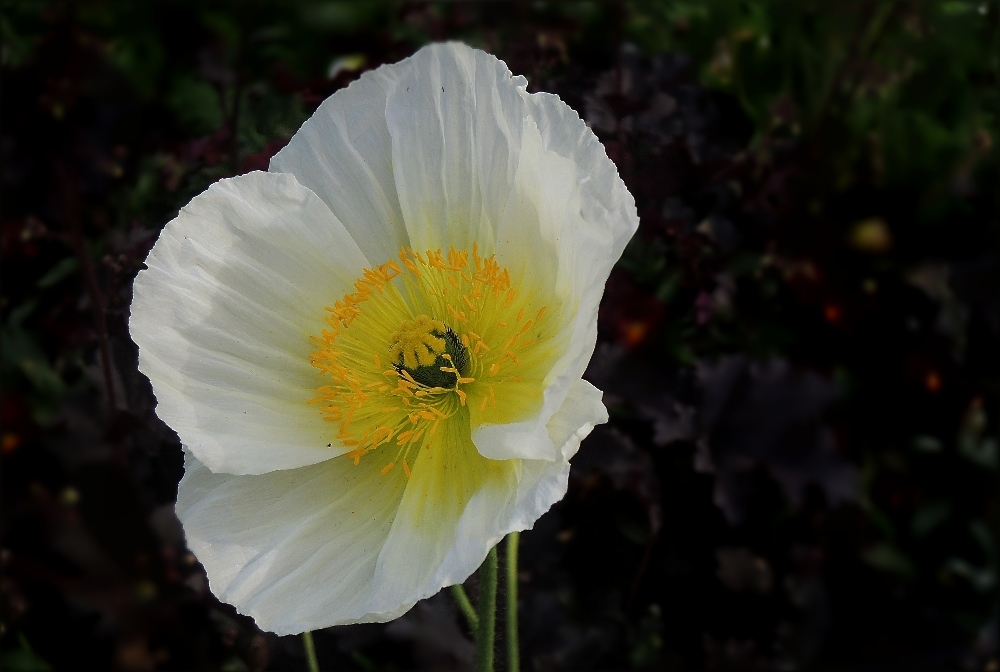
x=431 y=352
x=428 y=340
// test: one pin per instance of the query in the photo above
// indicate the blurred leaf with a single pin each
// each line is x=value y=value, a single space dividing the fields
x=982 y=579
x=887 y=558
x=15 y=46
x=63 y=269
x=139 y=54
x=338 y=16
x=363 y=661
x=930 y=516
x=974 y=443
x=17 y=316
x=647 y=640
x=234 y=664
x=632 y=530
x=196 y=104
x=927 y=444
x=958 y=7
x=23 y=659
x=223 y=24
x=21 y=353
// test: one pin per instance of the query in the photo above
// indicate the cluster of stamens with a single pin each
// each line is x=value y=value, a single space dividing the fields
x=424 y=314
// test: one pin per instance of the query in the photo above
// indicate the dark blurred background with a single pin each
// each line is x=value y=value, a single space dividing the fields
x=800 y=349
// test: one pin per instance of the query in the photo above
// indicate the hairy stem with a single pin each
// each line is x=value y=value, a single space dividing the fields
x=465 y=605
x=487 y=612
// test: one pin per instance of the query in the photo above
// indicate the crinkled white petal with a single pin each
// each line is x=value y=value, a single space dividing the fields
x=455 y=116
x=580 y=413
x=334 y=543
x=343 y=152
x=295 y=549
x=443 y=149
x=446 y=148
x=429 y=549
x=607 y=218
x=235 y=286
x=567 y=222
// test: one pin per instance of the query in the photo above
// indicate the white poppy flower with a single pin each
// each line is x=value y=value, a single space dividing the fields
x=373 y=353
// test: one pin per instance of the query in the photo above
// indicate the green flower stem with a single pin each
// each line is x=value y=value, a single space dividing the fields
x=513 y=648
x=487 y=612
x=311 y=662
x=465 y=604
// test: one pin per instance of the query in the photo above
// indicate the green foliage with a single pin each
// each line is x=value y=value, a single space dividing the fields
x=903 y=86
x=861 y=202
x=25 y=361
x=195 y=105
x=23 y=658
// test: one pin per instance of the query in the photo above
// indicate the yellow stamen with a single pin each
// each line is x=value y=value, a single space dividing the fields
x=441 y=318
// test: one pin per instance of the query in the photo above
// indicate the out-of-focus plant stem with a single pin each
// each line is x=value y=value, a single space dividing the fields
x=307 y=641
x=487 y=612
x=513 y=646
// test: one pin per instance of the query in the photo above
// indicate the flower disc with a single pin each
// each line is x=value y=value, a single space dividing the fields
x=426 y=340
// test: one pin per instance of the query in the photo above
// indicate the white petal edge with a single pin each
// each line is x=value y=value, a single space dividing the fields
x=521 y=169
x=455 y=116
x=366 y=151
x=235 y=285
x=569 y=206
x=343 y=152
x=582 y=411
x=309 y=548
x=500 y=507
x=294 y=549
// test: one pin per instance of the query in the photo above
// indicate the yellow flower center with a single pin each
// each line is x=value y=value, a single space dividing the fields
x=432 y=339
